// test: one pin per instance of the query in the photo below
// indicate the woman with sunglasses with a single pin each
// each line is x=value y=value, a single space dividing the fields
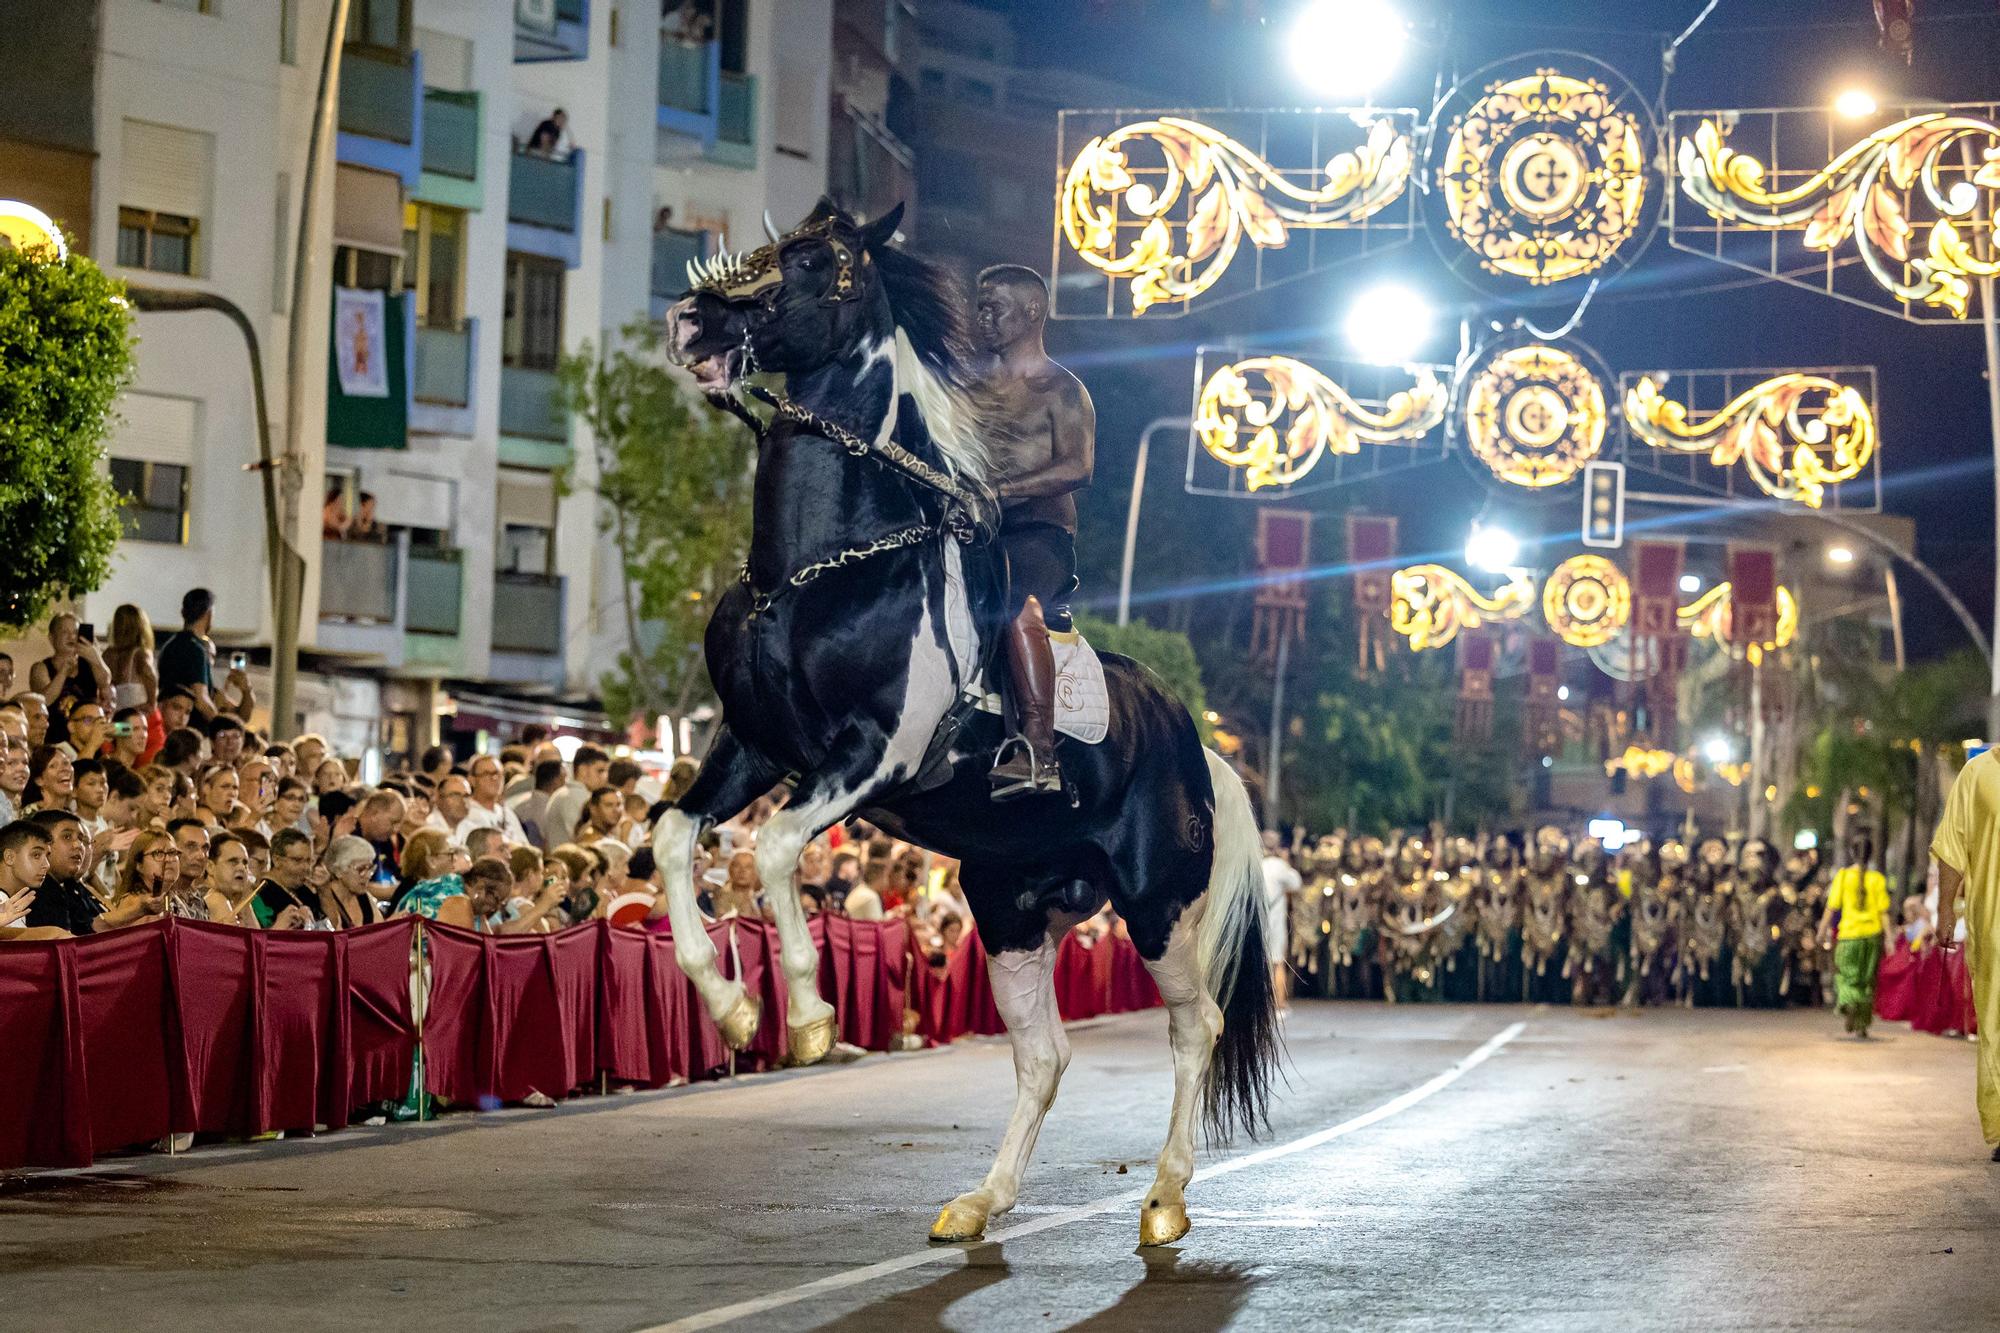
x=153 y=869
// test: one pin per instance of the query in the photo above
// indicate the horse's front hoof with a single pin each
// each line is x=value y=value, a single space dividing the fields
x=1162 y=1224
x=963 y=1218
x=739 y=1025
x=810 y=1041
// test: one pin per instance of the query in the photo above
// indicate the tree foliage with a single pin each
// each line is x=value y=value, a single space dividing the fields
x=65 y=356
x=673 y=487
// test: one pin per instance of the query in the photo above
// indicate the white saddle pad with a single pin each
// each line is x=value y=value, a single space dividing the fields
x=1083 y=705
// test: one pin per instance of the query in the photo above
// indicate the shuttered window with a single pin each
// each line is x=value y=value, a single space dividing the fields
x=151 y=456
x=165 y=170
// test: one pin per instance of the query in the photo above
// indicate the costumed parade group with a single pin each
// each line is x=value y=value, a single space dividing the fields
x=1558 y=922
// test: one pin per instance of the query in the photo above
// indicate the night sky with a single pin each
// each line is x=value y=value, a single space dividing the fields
x=1671 y=309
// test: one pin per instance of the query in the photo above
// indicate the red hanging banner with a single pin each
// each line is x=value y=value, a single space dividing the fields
x=1656 y=588
x=1474 y=718
x=1541 y=734
x=1753 y=596
x=1284 y=550
x=1371 y=554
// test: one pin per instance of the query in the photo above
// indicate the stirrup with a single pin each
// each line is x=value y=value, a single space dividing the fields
x=1038 y=780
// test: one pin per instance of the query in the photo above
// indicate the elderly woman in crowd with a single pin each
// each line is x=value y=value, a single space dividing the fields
x=435 y=889
x=347 y=897
x=216 y=789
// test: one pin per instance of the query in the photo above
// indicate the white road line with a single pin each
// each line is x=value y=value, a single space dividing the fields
x=940 y=1254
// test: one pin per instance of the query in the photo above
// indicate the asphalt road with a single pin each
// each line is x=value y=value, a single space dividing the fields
x=1432 y=1167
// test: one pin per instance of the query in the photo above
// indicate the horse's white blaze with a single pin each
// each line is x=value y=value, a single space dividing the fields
x=673 y=852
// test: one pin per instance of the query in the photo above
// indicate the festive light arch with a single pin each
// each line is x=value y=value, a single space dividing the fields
x=1430 y=604
x=1275 y=417
x=1534 y=415
x=1587 y=601
x=1796 y=434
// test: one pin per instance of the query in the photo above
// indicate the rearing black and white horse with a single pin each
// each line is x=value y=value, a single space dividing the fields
x=848 y=648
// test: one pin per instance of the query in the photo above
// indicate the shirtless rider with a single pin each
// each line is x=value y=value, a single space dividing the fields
x=1038 y=471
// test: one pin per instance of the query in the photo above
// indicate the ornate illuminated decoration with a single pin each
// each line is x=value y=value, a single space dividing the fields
x=1534 y=415
x=1544 y=177
x=1796 y=434
x=1642 y=763
x=25 y=227
x=1866 y=193
x=1430 y=604
x=1707 y=617
x=1587 y=601
x=1275 y=417
x=1121 y=212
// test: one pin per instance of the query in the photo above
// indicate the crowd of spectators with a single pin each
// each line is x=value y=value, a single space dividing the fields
x=133 y=786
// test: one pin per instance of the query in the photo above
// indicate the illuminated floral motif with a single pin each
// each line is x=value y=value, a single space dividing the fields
x=1534 y=415
x=25 y=227
x=1707 y=617
x=1643 y=763
x=1114 y=196
x=1430 y=604
x=1587 y=601
x=1279 y=429
x=1796 y=434
x=1864 y=193
x=1544 y=177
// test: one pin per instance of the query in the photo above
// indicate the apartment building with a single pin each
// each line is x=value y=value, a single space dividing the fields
x=457 y=260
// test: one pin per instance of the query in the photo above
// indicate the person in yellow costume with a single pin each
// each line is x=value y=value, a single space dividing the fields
x=1860 y=896
x=1966 y=848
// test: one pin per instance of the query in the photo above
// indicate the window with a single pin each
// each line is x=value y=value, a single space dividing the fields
x=162 y=242
x=156 y=500
x=525 y=548
x=373 y=270
x=433 y=262
x=378 y=23
x=532 y=336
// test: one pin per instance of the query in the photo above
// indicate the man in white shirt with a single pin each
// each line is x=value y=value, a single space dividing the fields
x=1281 y=881
x=452 y=811
x=488 y=780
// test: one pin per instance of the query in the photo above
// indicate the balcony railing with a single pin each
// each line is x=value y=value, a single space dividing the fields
x=560 y=31
x=527 y=613
x=451 y=133
x=444 y=364
x=684 y=75
x=436 y=590
x=357 y=582
x=528 y=404
x=736 y=109
x=542 y=191
x=672 y=251
x=376 y=96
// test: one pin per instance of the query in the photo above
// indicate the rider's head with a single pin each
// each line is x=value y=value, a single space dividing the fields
x=1013 y=306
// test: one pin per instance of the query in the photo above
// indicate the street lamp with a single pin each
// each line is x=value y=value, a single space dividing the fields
x=1346 y=47
x=1840 y=555
x=1492 y=550
x=1855 y=103
x=1690 y=583
x=1716 y=750
x=1386 y=325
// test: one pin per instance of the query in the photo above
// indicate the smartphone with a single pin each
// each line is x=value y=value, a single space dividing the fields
x=87 y=632
x=238 y=661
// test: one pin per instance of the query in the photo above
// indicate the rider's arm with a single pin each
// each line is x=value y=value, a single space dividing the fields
x=1073 y=452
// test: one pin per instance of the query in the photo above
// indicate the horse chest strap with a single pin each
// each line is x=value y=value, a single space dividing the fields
x=760 y=602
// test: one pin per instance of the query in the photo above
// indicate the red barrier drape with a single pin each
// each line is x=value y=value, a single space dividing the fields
x=1106 y=978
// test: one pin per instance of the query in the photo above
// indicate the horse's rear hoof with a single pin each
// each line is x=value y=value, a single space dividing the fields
x=959 y=1220
x=739 y=1025
x=1162 y=1224
x=809 y=1043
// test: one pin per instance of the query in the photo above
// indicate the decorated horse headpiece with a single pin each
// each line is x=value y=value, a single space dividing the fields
x=746 y=277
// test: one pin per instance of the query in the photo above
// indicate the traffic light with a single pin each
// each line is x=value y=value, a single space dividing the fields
x=1604 y=504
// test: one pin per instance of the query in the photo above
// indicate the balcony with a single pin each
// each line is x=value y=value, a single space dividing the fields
x=545 y=205
x=442 y=378
x=528 y=407
x=673 y=250
x=736 y=121
x=381 y=111
x=689 y=92
x=436 y=590
x=528 y=614
x=551 y=30
x=357 y=582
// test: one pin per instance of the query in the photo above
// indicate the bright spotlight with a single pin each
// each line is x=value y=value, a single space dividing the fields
x=1387 y=325
x=1343 y=48
x=1840 y=555
x=1690 y=583
x=1562 y=693
x=1716 y=749
x=1492 y=550
x=1855 y=103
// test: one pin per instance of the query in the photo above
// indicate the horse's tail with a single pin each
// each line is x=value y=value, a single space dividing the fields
x=1230 y=944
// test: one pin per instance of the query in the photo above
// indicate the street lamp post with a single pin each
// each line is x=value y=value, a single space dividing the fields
x=1132 y=509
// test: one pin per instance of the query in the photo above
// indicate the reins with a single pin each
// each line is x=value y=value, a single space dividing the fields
x=959 y=519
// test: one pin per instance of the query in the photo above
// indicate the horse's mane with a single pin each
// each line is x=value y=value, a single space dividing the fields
x=934 y=360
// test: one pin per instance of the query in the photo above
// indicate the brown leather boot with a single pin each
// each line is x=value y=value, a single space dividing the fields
x=1027 y=763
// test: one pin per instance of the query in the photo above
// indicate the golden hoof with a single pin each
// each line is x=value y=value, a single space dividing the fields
x=958 y=1222
x=739 y=1025
x=1162 y=1225
x=809 y=1043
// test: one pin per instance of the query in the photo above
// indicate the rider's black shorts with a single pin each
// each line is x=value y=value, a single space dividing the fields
x=1041 y=562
